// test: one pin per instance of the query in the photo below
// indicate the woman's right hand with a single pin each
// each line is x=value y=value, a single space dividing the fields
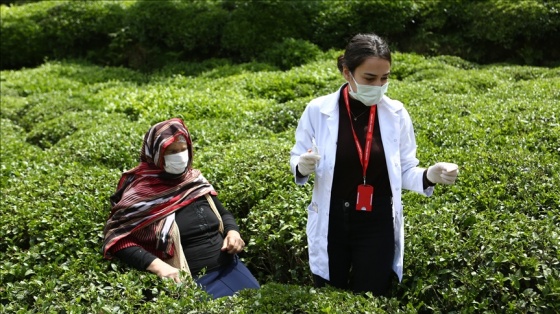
x=443 y=173
x=164 y=270
x=308 y=162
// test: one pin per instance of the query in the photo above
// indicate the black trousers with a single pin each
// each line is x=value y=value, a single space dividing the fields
x=361 y=247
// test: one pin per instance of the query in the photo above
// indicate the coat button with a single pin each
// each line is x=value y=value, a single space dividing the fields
x=346 y=204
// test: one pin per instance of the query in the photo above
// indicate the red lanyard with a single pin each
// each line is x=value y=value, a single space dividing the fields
x=364 y=156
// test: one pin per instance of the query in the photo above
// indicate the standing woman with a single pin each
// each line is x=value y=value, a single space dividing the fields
x=165 y=217
x=362 y=148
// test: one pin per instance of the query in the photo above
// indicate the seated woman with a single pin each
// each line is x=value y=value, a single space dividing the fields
x=165 y=217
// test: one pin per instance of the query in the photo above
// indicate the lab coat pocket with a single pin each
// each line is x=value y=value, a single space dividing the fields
x=312 y=223
x=312 y=212
x=312 y=215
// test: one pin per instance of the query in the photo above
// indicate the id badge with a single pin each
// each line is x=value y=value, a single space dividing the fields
x=365 y=198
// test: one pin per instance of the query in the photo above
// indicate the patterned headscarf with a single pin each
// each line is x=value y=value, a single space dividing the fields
x=146 y=193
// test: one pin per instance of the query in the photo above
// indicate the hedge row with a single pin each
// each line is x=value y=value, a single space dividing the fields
x=149 y=34
x=488 y=244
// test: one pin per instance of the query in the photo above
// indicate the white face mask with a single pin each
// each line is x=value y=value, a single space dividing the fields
x=367 y=94
x=176 y=163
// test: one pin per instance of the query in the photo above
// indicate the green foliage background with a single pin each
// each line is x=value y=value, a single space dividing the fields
x=71 y=125
x=489 y=243
x=147 y=34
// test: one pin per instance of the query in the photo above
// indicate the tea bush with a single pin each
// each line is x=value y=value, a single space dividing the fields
x=155 y=33
x=487 y=244
x=148 y=35
x=290 y=53
x=339 y=20
x=57 y=29
x=253 y=26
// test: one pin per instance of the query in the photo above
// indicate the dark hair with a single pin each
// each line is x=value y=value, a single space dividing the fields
x=361 y=47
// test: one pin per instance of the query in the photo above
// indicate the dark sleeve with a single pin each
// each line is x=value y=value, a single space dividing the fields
x=298 y=174
x=227 y=217
x=135 y=257
x=425 y=180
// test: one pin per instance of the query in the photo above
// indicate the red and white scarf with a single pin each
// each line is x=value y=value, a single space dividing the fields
x=147 y=194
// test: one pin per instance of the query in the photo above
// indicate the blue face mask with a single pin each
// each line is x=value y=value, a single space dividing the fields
x=369 y=95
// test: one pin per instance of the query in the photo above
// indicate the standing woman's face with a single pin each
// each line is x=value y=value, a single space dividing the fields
x=373 y=71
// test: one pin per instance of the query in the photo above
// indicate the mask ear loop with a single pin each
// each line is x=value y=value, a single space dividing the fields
x=346 y=72
x=352 y=76
x=353 y=79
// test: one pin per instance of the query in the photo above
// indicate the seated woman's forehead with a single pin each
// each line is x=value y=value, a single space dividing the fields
x=177 y=145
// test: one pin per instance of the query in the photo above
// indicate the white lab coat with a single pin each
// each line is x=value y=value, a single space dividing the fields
x=319 y=121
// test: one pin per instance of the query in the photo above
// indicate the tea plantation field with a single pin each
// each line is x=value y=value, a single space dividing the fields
x=490 y=243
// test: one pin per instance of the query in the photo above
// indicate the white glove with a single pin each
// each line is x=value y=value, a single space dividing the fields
x=443 y=172
x=307 y=162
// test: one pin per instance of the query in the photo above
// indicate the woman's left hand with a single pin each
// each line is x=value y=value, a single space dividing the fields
x=233 y=243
